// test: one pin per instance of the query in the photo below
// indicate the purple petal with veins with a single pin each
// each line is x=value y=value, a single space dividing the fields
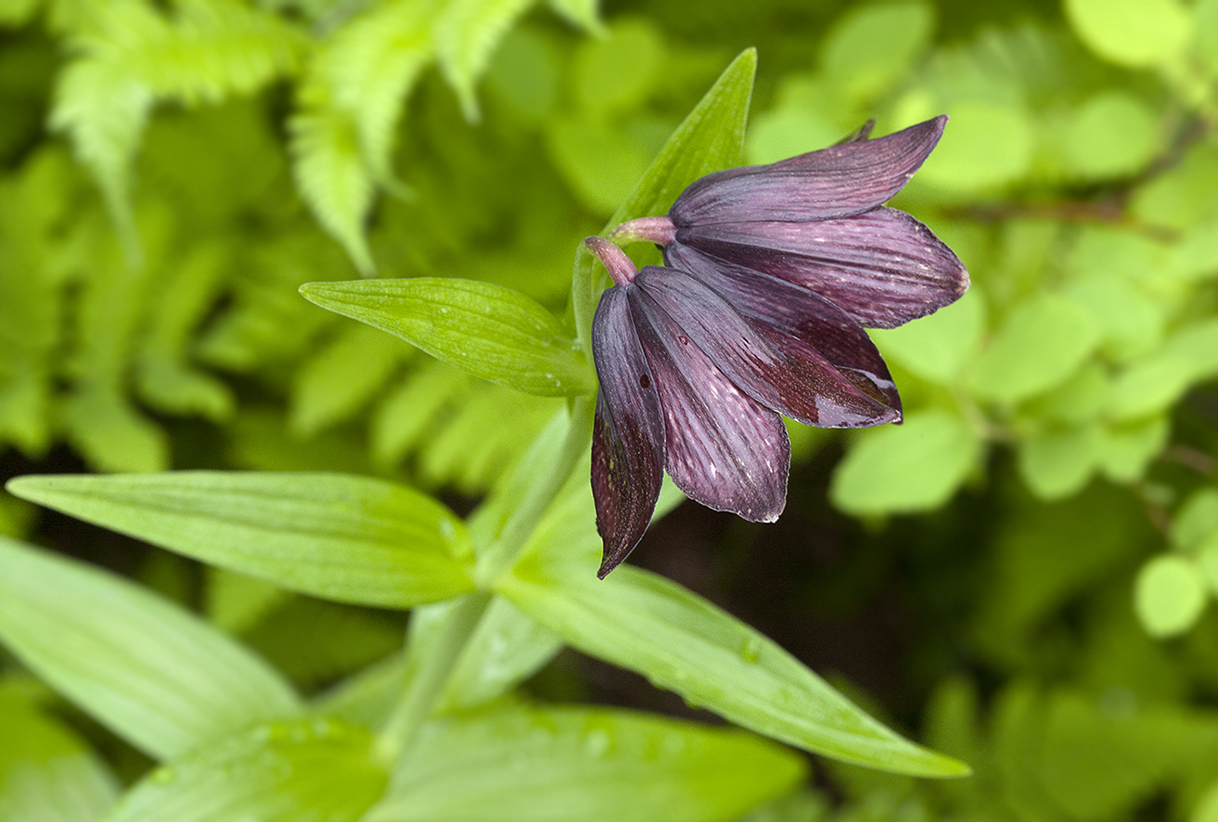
x=722 y=447
x=824 y=369
x=785 y=375
x=628 y=434
x=884 y=268
x=837 y=181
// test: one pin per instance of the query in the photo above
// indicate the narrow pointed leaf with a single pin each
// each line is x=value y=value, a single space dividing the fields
x=486 y=330
x=466 y=36
x=321 y=770
x=646 y=623
x=711 y=137
x=335 y=536
x=157 y=676
x=579 y=765
x=48 y=774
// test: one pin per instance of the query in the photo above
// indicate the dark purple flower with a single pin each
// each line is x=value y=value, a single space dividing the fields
x=771 y=274
x=817 y=221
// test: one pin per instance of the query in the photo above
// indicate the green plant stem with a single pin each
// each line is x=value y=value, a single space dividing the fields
x=424 y=687
x=524 y=519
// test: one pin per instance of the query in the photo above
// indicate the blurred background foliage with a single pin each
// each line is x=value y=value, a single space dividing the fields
x=1021 y=574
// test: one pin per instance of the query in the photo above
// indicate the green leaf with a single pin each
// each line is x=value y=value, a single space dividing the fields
x=579 y=765
x=1113 y=133
x=646 y=623
x=47 y=774
x=342 y=377
x=466 y=36
x=917 y=466
x=1128 y=448
x=505 y=649
x=345 y=538
x=583 y=13
x=158 y=677
x=1170 y=594
x=321 y=770
x=709 y=139
x=349 y=108
x=1135 y=33
x=1196 y=519
x=936 y=347
x=869 y=47
x=332 y=177
x=112 y=434
x=986 y=145
x=618 y=72
x=1056 y=464
x=1154 y=383
x=486 y=330
x=1042 y=343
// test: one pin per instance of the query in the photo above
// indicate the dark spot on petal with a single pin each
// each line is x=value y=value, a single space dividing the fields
x=684 y=339
x=645 y=381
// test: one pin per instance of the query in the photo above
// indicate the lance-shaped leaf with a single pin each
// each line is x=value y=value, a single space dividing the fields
x=711 y=137
x=646 y=623
x=339 y=537
x=47 y=774
x=157 y=676
x=486 y=330
x=578 y=765
x=321 y=770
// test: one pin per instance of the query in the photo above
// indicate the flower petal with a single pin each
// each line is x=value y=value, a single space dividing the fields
x=789 y=349
x=883 y=267
x=837 y=181
x=628 y=435
x=722 y=447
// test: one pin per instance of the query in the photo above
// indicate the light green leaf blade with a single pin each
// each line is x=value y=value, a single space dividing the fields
x=583 y=13
x=869 y=46
x=47 y=774
x=320 y=770
x=1043 y=341
x=936 y=347
x=579 y=765
x=104 y=110
x=1170 y=594
x=333 y=178
x=466 y=36
x=1056 y=464
x=916 y=466
x=1135 y=33
x=492 y=332
x=506 y=648
x=340 y=379
x=155 y=675
x=709 y=139
x=646 y=623
x=336 y=536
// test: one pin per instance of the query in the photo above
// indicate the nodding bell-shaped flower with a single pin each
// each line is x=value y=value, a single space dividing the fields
x=817 y=221
x=771 y=274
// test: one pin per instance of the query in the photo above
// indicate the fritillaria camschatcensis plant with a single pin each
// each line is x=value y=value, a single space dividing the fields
x=771 y=274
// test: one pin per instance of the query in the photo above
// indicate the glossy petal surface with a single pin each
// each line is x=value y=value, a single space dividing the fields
x=722 y=448
x=772 y=357
x=837 y=181
x=628 y=434
x=883 y=268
